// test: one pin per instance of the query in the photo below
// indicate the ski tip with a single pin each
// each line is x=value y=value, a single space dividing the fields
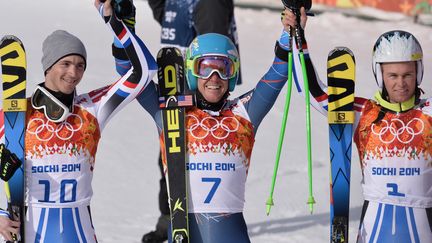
x=168 y=50
x=10 y=38
x=341 y=49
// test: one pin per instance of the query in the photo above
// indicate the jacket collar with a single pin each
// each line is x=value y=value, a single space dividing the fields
x=396 y=107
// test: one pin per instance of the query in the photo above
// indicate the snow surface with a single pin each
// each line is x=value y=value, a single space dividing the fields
x=126 y=178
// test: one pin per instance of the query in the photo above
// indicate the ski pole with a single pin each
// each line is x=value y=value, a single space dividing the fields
x=299 y=35
x=269 y=202
x=10 y=209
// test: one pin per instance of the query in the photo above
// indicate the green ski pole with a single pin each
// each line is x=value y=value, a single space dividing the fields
x=299 y=36
x=269 y=202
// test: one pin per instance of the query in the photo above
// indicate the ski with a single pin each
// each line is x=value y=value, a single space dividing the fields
x=13 y=66
x=173 y=103
x=340 y=80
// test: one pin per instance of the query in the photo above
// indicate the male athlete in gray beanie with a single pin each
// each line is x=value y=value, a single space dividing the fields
x=58 y=45
x=63 y=62
x=62 y=133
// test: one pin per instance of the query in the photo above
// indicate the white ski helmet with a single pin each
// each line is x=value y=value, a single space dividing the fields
x=396 y=46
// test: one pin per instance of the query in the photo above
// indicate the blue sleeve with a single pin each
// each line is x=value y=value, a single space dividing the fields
x=149 y=100
x=268 y=88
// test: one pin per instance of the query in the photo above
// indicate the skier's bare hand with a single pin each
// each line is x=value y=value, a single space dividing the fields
x=288 y=18
x=8 y=227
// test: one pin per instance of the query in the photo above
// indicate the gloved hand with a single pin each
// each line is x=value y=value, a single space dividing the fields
x=124 y=9
x=9 y=163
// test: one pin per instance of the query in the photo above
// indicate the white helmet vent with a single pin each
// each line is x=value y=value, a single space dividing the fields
x=396 y=46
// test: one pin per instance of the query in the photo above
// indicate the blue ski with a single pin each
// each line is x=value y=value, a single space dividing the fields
x=340 y=80
x=13 y=66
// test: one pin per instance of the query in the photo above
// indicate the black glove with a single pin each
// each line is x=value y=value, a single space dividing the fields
x=9 y=163
x=124 y=9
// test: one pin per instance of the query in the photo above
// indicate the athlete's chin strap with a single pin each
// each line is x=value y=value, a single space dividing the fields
x=396 y=107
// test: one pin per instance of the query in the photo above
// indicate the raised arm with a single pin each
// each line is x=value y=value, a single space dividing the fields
x=317 y=88
x=259 y=101
x=117 y=95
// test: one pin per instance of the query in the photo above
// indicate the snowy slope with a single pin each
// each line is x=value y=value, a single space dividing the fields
x=126 y=177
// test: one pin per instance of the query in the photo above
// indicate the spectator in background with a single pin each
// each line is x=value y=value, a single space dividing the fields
x=423 y=7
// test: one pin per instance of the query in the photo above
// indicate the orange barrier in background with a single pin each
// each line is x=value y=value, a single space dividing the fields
x=408 y=7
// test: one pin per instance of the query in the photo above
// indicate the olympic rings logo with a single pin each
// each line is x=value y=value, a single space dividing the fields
x=46 y=127
x=392 y=128
x=211 y=126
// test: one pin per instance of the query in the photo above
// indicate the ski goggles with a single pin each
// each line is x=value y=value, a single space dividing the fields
x=53 y=108
x=204 y=66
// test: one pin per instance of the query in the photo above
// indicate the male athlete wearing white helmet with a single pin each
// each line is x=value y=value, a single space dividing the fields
x=393 y=138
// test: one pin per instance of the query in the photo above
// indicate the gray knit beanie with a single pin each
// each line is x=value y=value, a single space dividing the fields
x=58 y=45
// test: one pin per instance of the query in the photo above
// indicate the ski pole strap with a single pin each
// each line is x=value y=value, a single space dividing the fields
x=280 y=52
